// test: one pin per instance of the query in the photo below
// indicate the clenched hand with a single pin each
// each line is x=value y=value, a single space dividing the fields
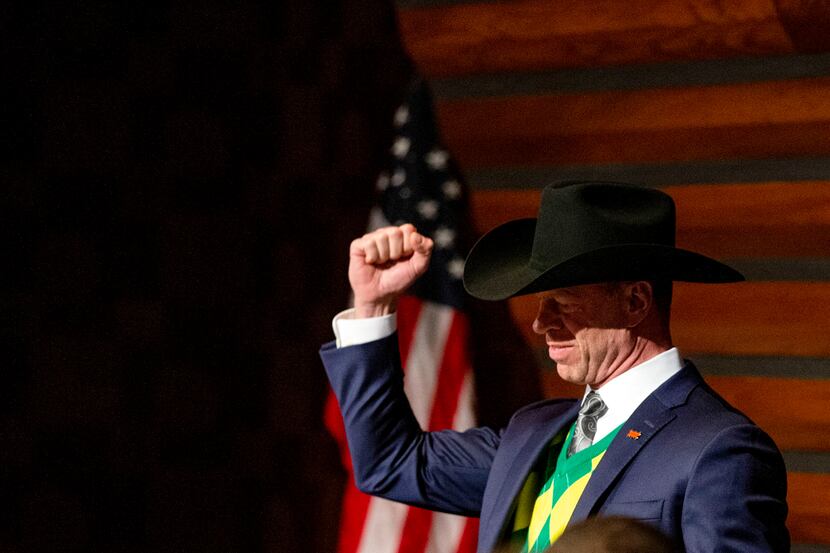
x=383 y=264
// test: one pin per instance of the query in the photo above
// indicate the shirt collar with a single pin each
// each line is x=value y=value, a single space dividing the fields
x=624 y=393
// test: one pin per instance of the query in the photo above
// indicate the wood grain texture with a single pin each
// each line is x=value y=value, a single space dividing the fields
x=753 y=318
x=750 y=120
x=780 y=219
x=755 y=220
x=808 y=496
x=748 y=318
x=534 y=35
x=785 y=408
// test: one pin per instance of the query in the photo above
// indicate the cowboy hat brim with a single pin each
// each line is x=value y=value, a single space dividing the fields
x=499 y=266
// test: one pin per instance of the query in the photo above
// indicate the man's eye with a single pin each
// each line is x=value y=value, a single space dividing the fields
x=568 y=307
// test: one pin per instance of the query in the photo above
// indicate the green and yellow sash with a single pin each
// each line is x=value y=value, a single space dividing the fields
x=566 y=478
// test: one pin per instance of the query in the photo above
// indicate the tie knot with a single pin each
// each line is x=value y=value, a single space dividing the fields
x=593 y=406
x=586 y=423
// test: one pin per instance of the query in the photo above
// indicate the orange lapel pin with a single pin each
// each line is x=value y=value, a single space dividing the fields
x=633 y=434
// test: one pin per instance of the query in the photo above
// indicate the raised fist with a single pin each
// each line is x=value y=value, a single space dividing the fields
x=383 y=264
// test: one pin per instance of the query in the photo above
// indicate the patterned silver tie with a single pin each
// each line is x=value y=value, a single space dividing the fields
x=586 y=423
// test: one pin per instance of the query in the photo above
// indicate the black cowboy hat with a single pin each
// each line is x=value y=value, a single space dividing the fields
x=587 y=232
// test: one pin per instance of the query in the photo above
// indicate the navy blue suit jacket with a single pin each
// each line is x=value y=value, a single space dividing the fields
x=700 y=470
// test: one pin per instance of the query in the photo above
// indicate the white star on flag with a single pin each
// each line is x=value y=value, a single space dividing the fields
x=398 y=177
x=383 y=181
x=437 y=159
x=456 y=267
x=401 y=147
x=451 y=189
x=402 y=115
x=377 y=219
x=444 y=237
x=428 y=209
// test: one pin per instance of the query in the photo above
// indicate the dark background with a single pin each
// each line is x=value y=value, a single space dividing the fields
x=180 y=182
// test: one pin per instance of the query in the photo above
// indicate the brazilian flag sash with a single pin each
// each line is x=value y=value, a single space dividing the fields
x=565 y=480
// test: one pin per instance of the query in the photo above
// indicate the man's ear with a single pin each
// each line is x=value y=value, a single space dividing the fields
x=639 y=297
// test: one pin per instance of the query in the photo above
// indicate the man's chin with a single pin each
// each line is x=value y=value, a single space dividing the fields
x=570 y=374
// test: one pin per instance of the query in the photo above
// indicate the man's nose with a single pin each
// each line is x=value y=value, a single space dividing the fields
x=547 y=318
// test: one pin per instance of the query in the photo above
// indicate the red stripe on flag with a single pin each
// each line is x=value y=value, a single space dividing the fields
x=352 y=517
x=455 y=364
x=469 y=539
x=415 y=532
x=355 y=503
x=409 y=310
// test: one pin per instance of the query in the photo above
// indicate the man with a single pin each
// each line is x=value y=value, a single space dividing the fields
x=650 y=440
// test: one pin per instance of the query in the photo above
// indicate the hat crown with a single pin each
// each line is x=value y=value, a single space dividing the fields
x=587 y=232
x=577 y=217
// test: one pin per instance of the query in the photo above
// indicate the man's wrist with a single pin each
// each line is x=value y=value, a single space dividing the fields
x=367 y=310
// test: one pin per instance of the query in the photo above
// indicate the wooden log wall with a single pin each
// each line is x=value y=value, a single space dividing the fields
x=724 y=105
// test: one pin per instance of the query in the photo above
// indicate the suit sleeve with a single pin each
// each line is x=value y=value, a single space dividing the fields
x=392 y=457
x=736 y=497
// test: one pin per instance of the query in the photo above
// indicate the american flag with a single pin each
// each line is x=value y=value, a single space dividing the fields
x=421 y=186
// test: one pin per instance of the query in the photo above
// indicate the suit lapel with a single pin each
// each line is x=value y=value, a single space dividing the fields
x=517 y=471
x=649 y=419
x=646 y=421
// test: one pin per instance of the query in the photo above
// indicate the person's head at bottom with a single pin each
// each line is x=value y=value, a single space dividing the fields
x=612 y=535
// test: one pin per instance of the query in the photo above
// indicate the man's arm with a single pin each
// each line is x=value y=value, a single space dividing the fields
x=391 y=455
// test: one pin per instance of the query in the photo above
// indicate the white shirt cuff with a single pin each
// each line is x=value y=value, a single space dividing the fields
x=352 y=332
